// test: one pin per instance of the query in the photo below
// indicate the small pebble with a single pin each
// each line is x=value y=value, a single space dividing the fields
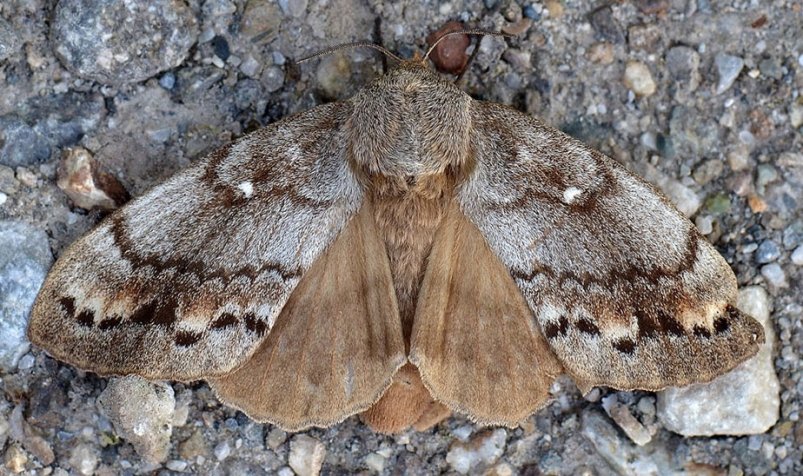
x=793 y=235
x=728 y=68
x=796 y=114
x=193 y=447
x=519 y=59
x=483 y=449
x=767 y=252
x=797 y=256
x=26 y=362
x=276 y=438
x=774 y=275
x=621 y=414
x=176 y=465
x=739 y=158
x=463 y=432
x=765 y=174
x=82 y=178
x=250 y=67
x=771 y=68
x=375 y=462
x=601 y=53
x=84 y=459
x=708 y=171
x=293 y=8
x=272 y=78
x=705 y=224
x=142 y=414
x=639 y=79
x=605 y=24
x=646 y=405
x=306 y=455
x=222 y=450
x=21 y=144
x=554 y=7
x=221 y=47
x=530 y=12
x=15 y=459
x=167 y=81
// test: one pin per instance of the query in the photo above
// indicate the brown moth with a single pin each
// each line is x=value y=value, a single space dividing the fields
x=405 y=253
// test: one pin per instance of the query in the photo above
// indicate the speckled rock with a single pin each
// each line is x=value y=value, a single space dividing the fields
x=122 y=42
x=142 y=414
x=25 y=259
x=743 y=402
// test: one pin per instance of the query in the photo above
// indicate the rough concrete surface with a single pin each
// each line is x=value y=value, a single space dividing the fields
x=702 y=98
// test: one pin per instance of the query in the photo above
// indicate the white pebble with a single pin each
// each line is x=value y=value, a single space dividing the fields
x=484 y=449
x=285 y=471
x=639 y=79
x=774 y=275
x=797 y=256
x=375 y=462
x=306 y=455
x=222 y=451
x=26 y=362
x=705 y=224
x=176 y=465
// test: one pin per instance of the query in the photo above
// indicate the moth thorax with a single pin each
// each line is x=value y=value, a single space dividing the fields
x=409 y=123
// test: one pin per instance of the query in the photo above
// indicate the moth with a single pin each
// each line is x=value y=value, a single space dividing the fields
x=403 y=254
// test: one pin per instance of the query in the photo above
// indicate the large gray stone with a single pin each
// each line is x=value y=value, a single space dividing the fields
x=25 y=259
x=124 y=41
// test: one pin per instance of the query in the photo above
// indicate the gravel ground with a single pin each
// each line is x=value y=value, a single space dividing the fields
x=102 y=100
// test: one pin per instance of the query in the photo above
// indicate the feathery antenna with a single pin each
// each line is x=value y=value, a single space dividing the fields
x=344 y=46
x=465 y=32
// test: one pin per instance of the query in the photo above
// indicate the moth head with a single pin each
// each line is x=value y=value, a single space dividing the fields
x=409 y=122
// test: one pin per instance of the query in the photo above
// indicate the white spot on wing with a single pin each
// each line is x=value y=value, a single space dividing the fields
x=570 y=195
x=247 y=188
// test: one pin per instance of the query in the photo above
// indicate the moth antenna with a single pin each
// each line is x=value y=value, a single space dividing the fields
x=465 y=32
x=344 y=46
